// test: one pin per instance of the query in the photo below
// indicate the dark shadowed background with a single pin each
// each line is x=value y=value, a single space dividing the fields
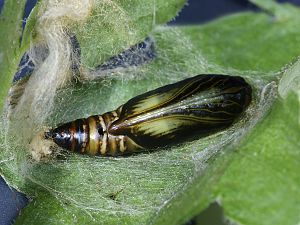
x=197 y=11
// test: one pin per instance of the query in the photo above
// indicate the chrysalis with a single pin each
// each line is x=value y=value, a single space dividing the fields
x=189 y=109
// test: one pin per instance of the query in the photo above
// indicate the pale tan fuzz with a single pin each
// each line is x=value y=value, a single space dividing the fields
x=41 y=149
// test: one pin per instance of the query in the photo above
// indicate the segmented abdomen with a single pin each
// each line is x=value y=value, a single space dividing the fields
x=90 y=136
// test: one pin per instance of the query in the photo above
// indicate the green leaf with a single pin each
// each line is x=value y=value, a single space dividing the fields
x=262 y=183
x=114 y=26
x=249 y=42
x=10 y=34
x=280 y=11
x=29 y=30
x=239 y=167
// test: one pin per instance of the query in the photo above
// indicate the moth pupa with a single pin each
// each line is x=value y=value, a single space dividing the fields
x=191 y=108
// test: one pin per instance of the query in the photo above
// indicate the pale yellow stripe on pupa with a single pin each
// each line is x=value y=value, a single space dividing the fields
x=94 y=137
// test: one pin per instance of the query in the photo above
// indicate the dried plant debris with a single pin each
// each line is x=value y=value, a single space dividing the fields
x=135 y=56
